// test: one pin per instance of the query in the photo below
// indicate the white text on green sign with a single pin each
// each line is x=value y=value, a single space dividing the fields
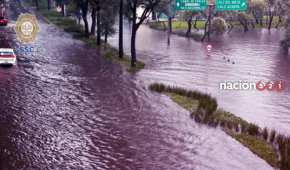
x=231 y=5
x=191 y=5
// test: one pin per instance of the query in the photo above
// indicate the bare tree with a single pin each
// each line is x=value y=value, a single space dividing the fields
x=148 y=7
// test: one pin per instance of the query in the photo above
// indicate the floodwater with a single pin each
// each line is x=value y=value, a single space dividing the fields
x=253 y=56
x=64 y=107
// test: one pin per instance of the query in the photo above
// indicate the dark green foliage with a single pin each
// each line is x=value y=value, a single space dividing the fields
x=243 y=128
x=237 y=128
x=206 y=102
x=229 y=125
x=284 y=150
x=265 y=134
x=213 y=123
x=280 y=139
x=222 y=123
x=250 y=135
x=253 y=129
x=157 y=87
x=272 y=136
x=197 y=118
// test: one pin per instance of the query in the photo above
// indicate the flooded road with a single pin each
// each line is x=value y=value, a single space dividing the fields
x=253 y=56
x=65 y=107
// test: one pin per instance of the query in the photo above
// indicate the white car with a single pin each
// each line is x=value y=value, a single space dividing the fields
x=7 y=56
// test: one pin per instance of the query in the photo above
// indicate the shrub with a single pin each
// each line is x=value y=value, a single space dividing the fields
x=265 y=133
x=219 y=25
x=243 y=128
x=283 y=143
x=237 y=128
x=197 y=118
x=253 y=129
x=285 y=43
x=272 y=136
x=222 y=123
x=206 y=102
x=230 y=125
x=157 y=87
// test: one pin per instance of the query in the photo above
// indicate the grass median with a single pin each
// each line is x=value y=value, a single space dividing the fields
x=203 y=108
x=179 y=28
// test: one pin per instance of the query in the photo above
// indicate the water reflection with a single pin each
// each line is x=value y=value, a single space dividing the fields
x=67 y=108
x=250 y=56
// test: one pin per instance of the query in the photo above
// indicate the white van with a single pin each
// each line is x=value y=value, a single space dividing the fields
x=7 y=56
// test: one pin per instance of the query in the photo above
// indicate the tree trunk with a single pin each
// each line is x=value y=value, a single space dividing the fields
x=153 y=15
x=48 y=4
x=169 y=30
x=246 y=28
x=133 y=36
x=170 y=24
x=37 y=4
x=256 y=17
x=168 y=36
x=86 y=26
x=271 y=20
x=207 y=27
x=93 y=27
x=106 y=37
x=205 y=30
x=63 y=9
x=253 y=24
x=189 y=26
x=195 y=23
x=133 y=46
x=244 y=23
x=99 y=31
x=121 y=47
x=279 y=21
x=84 y=8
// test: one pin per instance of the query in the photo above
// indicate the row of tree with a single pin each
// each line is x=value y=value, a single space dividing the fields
x=260 y=12
x=104 y=13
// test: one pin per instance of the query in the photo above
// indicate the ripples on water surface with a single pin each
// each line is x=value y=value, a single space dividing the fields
x=256 y=56
x=66 y=108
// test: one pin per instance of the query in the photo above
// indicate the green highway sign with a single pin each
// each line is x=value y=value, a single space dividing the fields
x=231 y=5
x=191 y=5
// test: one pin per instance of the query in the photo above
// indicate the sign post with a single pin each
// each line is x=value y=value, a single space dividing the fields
x=231 y=5
x=191 y=5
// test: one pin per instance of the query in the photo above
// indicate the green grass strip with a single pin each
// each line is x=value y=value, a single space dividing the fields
x=258 y=146
x=249 y=133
